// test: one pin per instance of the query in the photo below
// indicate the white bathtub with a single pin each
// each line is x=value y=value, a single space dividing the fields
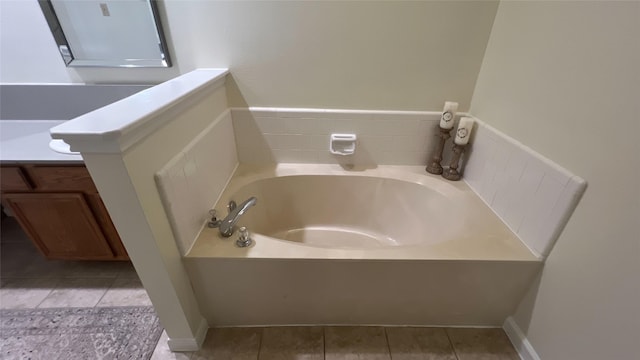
x=388 y=245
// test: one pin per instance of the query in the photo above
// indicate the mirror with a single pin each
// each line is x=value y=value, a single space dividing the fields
x=107 y=33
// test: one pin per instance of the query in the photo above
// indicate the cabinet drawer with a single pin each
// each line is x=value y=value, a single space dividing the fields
x=65 y=178
x=13 y=179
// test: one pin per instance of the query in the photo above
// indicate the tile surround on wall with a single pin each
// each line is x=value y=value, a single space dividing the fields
x=531 y=194
x=192 y=181
x=271 y=135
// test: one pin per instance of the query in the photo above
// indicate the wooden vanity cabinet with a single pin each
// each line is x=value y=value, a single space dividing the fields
x=61 y=211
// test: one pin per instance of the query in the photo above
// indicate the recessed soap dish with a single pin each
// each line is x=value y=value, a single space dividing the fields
x=342 y=144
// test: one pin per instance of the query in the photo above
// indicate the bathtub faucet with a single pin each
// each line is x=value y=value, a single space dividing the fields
x=235 y=212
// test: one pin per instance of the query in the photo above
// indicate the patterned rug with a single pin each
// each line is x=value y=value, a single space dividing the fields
x=110 y=333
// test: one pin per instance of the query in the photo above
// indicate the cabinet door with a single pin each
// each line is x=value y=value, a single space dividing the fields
x=61 y=225
x=108 y=229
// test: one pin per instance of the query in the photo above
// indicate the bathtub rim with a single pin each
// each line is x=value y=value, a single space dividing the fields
x=209 y=244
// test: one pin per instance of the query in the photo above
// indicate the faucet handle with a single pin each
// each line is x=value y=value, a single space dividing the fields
x=232 y=206
x=214 y=222
x=243 y=240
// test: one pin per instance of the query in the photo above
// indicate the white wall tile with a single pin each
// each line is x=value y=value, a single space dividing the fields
x=534 y=196
x=346 y=115
x=259 y=132
x=191 y=182
x=300 y=113
x=295 y=156
x=537 y=224
x=410 y=143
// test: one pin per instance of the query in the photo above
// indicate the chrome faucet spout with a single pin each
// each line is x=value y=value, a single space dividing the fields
x=226 y=226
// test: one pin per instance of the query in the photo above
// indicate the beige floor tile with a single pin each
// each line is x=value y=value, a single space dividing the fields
x=94 y=269
x=21 y=259
x=11 y=229
x=128 y=271
x=41 y=267
x=162 y=351
x=230 y=343
x=351 y=343
x=25 y=293
x=292 y=343
x=79 y=292
x=481 y=344
x=416 y=343
x=125 y=292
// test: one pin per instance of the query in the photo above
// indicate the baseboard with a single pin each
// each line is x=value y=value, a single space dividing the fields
x=190 y=344
x=201 y=333
x=519 y=340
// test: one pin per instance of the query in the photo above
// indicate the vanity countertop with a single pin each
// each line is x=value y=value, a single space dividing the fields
x=28 y=141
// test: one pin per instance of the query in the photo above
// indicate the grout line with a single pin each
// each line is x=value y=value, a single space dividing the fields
x=260 y=344
x=386 y=336
x=455 y=353
x=324 y=344
x=105 y=293
x=57 y=282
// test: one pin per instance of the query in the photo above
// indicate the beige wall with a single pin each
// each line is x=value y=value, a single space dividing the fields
x=563 y=78
x=363 y=55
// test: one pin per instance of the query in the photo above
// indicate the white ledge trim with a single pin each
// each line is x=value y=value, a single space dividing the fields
x=519 y=340
x=110 y=129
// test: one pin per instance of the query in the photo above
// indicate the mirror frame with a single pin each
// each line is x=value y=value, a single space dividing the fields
x=70 y=61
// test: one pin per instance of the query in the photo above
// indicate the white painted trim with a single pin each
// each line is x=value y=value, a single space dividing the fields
x=190 y=344
x=201 y=333
x=519 y=340
x=116 y=127
x=273 y=111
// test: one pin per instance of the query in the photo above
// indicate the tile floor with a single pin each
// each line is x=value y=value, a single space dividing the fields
x=348 y=343
x=27 y=280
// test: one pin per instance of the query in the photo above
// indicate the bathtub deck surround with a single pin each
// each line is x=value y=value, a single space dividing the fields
x=397 y=212
x=329 y=248
x=515 y=181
